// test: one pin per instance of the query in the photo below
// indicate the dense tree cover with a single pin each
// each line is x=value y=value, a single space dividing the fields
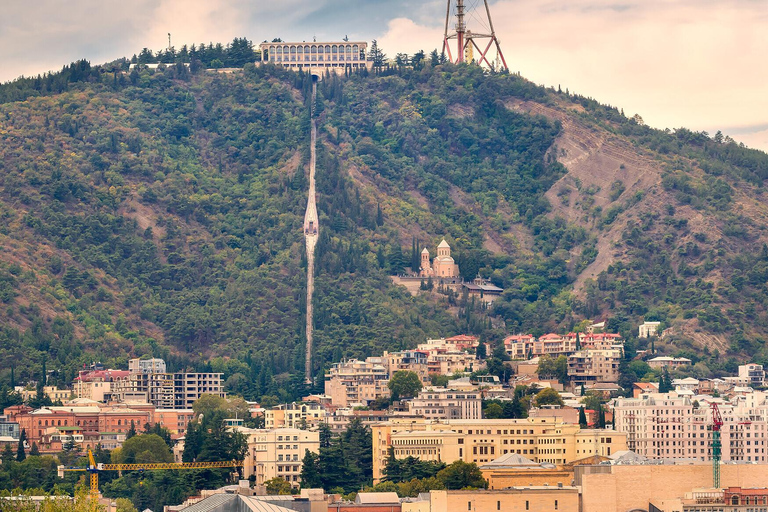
x=409 y=468
x=159 y=213
x=344 y=463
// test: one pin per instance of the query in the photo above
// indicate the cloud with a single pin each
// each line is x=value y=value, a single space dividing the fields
x=693 y=63
x=698 y=64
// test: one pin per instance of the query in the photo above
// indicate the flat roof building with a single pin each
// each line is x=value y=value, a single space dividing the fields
x=317 y=58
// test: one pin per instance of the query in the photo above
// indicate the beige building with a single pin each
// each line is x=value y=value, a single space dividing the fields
x=357 y=382
x=438 y=403
x=97 y=384
x=648 y=329
x=622 y=488
x=278 y=452
x=668 y=426
x=410 y=361
x=442 y=266
x=482 y=441
x=52 y=392
x=294 y=415
x=317 y=57
x=532 y=499
x=590 y=366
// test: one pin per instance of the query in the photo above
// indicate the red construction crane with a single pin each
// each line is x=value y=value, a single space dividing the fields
x=717 y=422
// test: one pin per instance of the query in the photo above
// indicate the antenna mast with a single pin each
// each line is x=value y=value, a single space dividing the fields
x=467 y=41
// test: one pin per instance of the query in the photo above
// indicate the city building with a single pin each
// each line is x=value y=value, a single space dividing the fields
x=668 y=362
x=447 y=404
x=293 y=415
x=531 y=498
x=513 y=470
x=52 y=392
x=163 y=390
x=630 y=487
x=675 y=426
x=752 y=375
x=519 y=346
x=442 y=266
x=408 y=360
x=482 y=289
x=317 y=57
x=481 y=441
x=587 y=367
x=155 y=365
x=97 y=384
x=648 y=329
x=278 y=452
x=357 y=382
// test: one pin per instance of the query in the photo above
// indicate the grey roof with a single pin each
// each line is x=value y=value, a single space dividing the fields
x=215 y=503
x=262 y=506
x=511 y=460
x=627 y=457
x=235 y=503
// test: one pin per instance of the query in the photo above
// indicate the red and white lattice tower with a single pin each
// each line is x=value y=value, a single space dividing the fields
x=467 y=41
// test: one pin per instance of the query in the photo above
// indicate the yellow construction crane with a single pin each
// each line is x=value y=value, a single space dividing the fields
x=93 y=468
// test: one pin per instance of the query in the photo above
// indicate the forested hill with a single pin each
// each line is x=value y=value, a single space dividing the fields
x=160 y=213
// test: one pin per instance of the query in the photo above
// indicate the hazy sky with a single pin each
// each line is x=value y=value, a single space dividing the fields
x=695 y=63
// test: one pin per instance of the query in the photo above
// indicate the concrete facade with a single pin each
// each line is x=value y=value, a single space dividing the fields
x=482 y=441
x=447 y=404
x=316 y=57
x=278 y=453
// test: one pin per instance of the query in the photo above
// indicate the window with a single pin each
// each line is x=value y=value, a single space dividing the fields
x=527 y=505
x=555 y=504
x=498 y=505
x=469 y=505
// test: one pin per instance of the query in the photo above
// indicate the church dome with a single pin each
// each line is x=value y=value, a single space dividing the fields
x=443 y=245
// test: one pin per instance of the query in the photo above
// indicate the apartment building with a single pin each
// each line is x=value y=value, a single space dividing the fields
x=188 y=387
x=155 y=365
x=752 y=375
x=166 y=390
x=355 y=382
x=97 y=384
x=587 y=367
x=448 y=357
x=526 y=346
x=408 y=360
x=447 y=404
x=278 y=452
x=481 y=441
x=293 y=415
x=670 y=426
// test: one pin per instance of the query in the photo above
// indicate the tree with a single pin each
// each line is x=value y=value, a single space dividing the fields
x=547 y=396
x=125 y=505
x=582 y=418
x=310 y=470
x=481 y=351
x=278 y=485
x=21 y=454
x=34 y=451
x=462 y=475
x=493 y=411
x=7 y=455
x=143 y=448
x=376 y=56
x=553 y=368
x=131 y=431
x=404 y=383
x=600 y=417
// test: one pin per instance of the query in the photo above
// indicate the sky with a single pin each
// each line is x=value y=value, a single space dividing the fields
x=700 y=64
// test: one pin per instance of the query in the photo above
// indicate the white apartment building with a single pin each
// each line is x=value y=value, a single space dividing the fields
x=648 y=329
x=752 y=375
x=278 y=452
x=447 y=404
x=669 y=426
x=355 y=382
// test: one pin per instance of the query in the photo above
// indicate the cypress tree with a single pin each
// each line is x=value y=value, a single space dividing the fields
x=20 y=453
x=35 y=451
x=582 y=418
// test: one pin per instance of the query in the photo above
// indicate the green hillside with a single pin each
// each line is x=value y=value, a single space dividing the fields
x=160 y=214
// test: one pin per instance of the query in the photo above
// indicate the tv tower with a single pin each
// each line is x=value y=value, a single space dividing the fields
x=466 y=40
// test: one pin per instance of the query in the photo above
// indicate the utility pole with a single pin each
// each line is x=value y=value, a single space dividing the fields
x=169 y=41
x=468 y=41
